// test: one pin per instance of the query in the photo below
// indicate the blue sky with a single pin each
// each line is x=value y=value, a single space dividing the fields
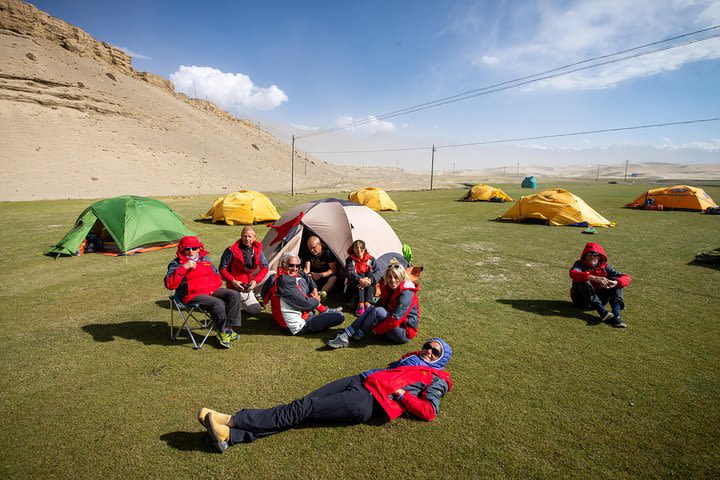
x=297 y=67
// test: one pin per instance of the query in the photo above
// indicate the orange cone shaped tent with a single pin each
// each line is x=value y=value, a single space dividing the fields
x=557 y=207
x=679 y=197
x=373 y=197
x=486 y=193
x=244 y=207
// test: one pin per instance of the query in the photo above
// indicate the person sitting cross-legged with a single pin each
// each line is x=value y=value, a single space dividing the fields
x=360 y=269
x=396 y=315
x=414 y=384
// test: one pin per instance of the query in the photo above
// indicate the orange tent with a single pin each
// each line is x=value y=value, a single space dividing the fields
x=679 y=197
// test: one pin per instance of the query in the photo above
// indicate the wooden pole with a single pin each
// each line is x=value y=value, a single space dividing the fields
x=432 y=167
x=292 y=168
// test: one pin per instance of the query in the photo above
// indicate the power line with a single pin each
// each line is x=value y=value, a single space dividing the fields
x=506 y=85
x=520 y=139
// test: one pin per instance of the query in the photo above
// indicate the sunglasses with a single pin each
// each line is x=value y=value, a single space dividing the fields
x=293 y=265
x=188 y=249
x=435 y=351
x=395 y=265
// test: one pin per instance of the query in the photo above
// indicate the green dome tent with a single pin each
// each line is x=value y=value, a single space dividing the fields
x=121 y=226
x=529 y=182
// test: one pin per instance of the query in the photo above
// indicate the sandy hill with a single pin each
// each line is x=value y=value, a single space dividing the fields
x=78 y=121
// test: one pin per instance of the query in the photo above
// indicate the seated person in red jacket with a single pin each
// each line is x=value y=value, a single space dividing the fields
x=196 y=280
x=414 y=384
x=360 y=269
x=243 y=266
x=596 y=283
x=294 y=297
x=396 y=315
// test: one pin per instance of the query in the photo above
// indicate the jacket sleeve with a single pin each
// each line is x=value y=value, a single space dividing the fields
x=350 y=272
x=372 y=273
x=225 y=261
x=622 y=279
x=287 y=289
x=578 y=274
x=258 y=277
x=393 y=319
x=427 y=407
x=175 y=275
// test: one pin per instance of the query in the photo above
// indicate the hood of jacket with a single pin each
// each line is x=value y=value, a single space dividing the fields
x=416 y=361
x=186 y=242
x=594 y=247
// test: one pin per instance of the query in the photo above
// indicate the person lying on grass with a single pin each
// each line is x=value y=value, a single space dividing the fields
x=414 y=385
x=359 y=270
x=396 y=316
x=196 y=280
x=596 y=283
x=294 y=297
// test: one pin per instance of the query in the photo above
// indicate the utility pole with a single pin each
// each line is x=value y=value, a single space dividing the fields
x=626 y=165
x=598 y=174
x=292 y=168
x=503 y=171
x=432 y=167
x=305 y=163
x=517 y=173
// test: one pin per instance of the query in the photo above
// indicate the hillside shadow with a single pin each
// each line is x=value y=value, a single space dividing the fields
x=552 y=308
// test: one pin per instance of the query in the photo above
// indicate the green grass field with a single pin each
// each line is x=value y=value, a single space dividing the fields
x=92 y=387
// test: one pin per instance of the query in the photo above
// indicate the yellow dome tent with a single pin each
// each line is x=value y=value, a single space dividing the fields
x=245 y=207
x=680 y=197
x=557 y=207
x=373 y=197
x=486 y=193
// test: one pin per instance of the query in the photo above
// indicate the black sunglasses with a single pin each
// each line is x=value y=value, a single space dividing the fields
x=187 y=249
x=434 y=350
x=293 y=265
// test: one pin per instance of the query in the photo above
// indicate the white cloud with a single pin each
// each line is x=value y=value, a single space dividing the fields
x=489 y=59
x=371 y=127
x=227 y=90
x=549 y=34
x=712 y=145
x=134 y=55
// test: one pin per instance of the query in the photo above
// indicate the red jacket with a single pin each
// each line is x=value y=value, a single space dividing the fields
x=232 y=265
x=384 y=382
x=582 y=270
x=408 y=320
x=204 y=279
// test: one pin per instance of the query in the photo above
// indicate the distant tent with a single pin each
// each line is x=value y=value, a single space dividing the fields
x=244 y=207
x=486 y=193
x=529 y=182
x=338 y=223
x=122 y=226
x=679 y=197
x=556 y=206
x=373 y=197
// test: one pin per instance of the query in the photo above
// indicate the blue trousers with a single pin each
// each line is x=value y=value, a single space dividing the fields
x=321 y=322
x=368 y=320
x=345 y=400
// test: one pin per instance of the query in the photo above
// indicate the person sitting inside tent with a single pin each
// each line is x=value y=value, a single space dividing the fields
x=414 y=384
x=596 y=283
x=243 y=266
x=293 y=298
x=359 y=271
x=195 y=279
x=396 y=315
x=321 y=265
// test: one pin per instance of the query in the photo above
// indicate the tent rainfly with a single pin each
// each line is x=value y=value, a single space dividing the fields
x=337 y=223
x=556 y=206
x=373 y=197
x=244 y=207
x=486 y=193
x=529 y=182
x=678 y=197
x=122 y=226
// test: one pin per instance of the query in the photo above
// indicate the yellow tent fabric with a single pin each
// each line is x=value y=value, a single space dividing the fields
x=557 y=207
x=244 y=207
x=681 y=197
x=373 y=197
x=484 y=193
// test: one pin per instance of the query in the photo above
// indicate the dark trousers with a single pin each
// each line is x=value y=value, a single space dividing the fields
x=369 y=320
x=363 y=294
x=583 y=295
x=345 y=400
x=223 y=306
x=321 y=322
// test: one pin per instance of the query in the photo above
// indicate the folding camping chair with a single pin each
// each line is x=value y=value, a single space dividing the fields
x=190 y=313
